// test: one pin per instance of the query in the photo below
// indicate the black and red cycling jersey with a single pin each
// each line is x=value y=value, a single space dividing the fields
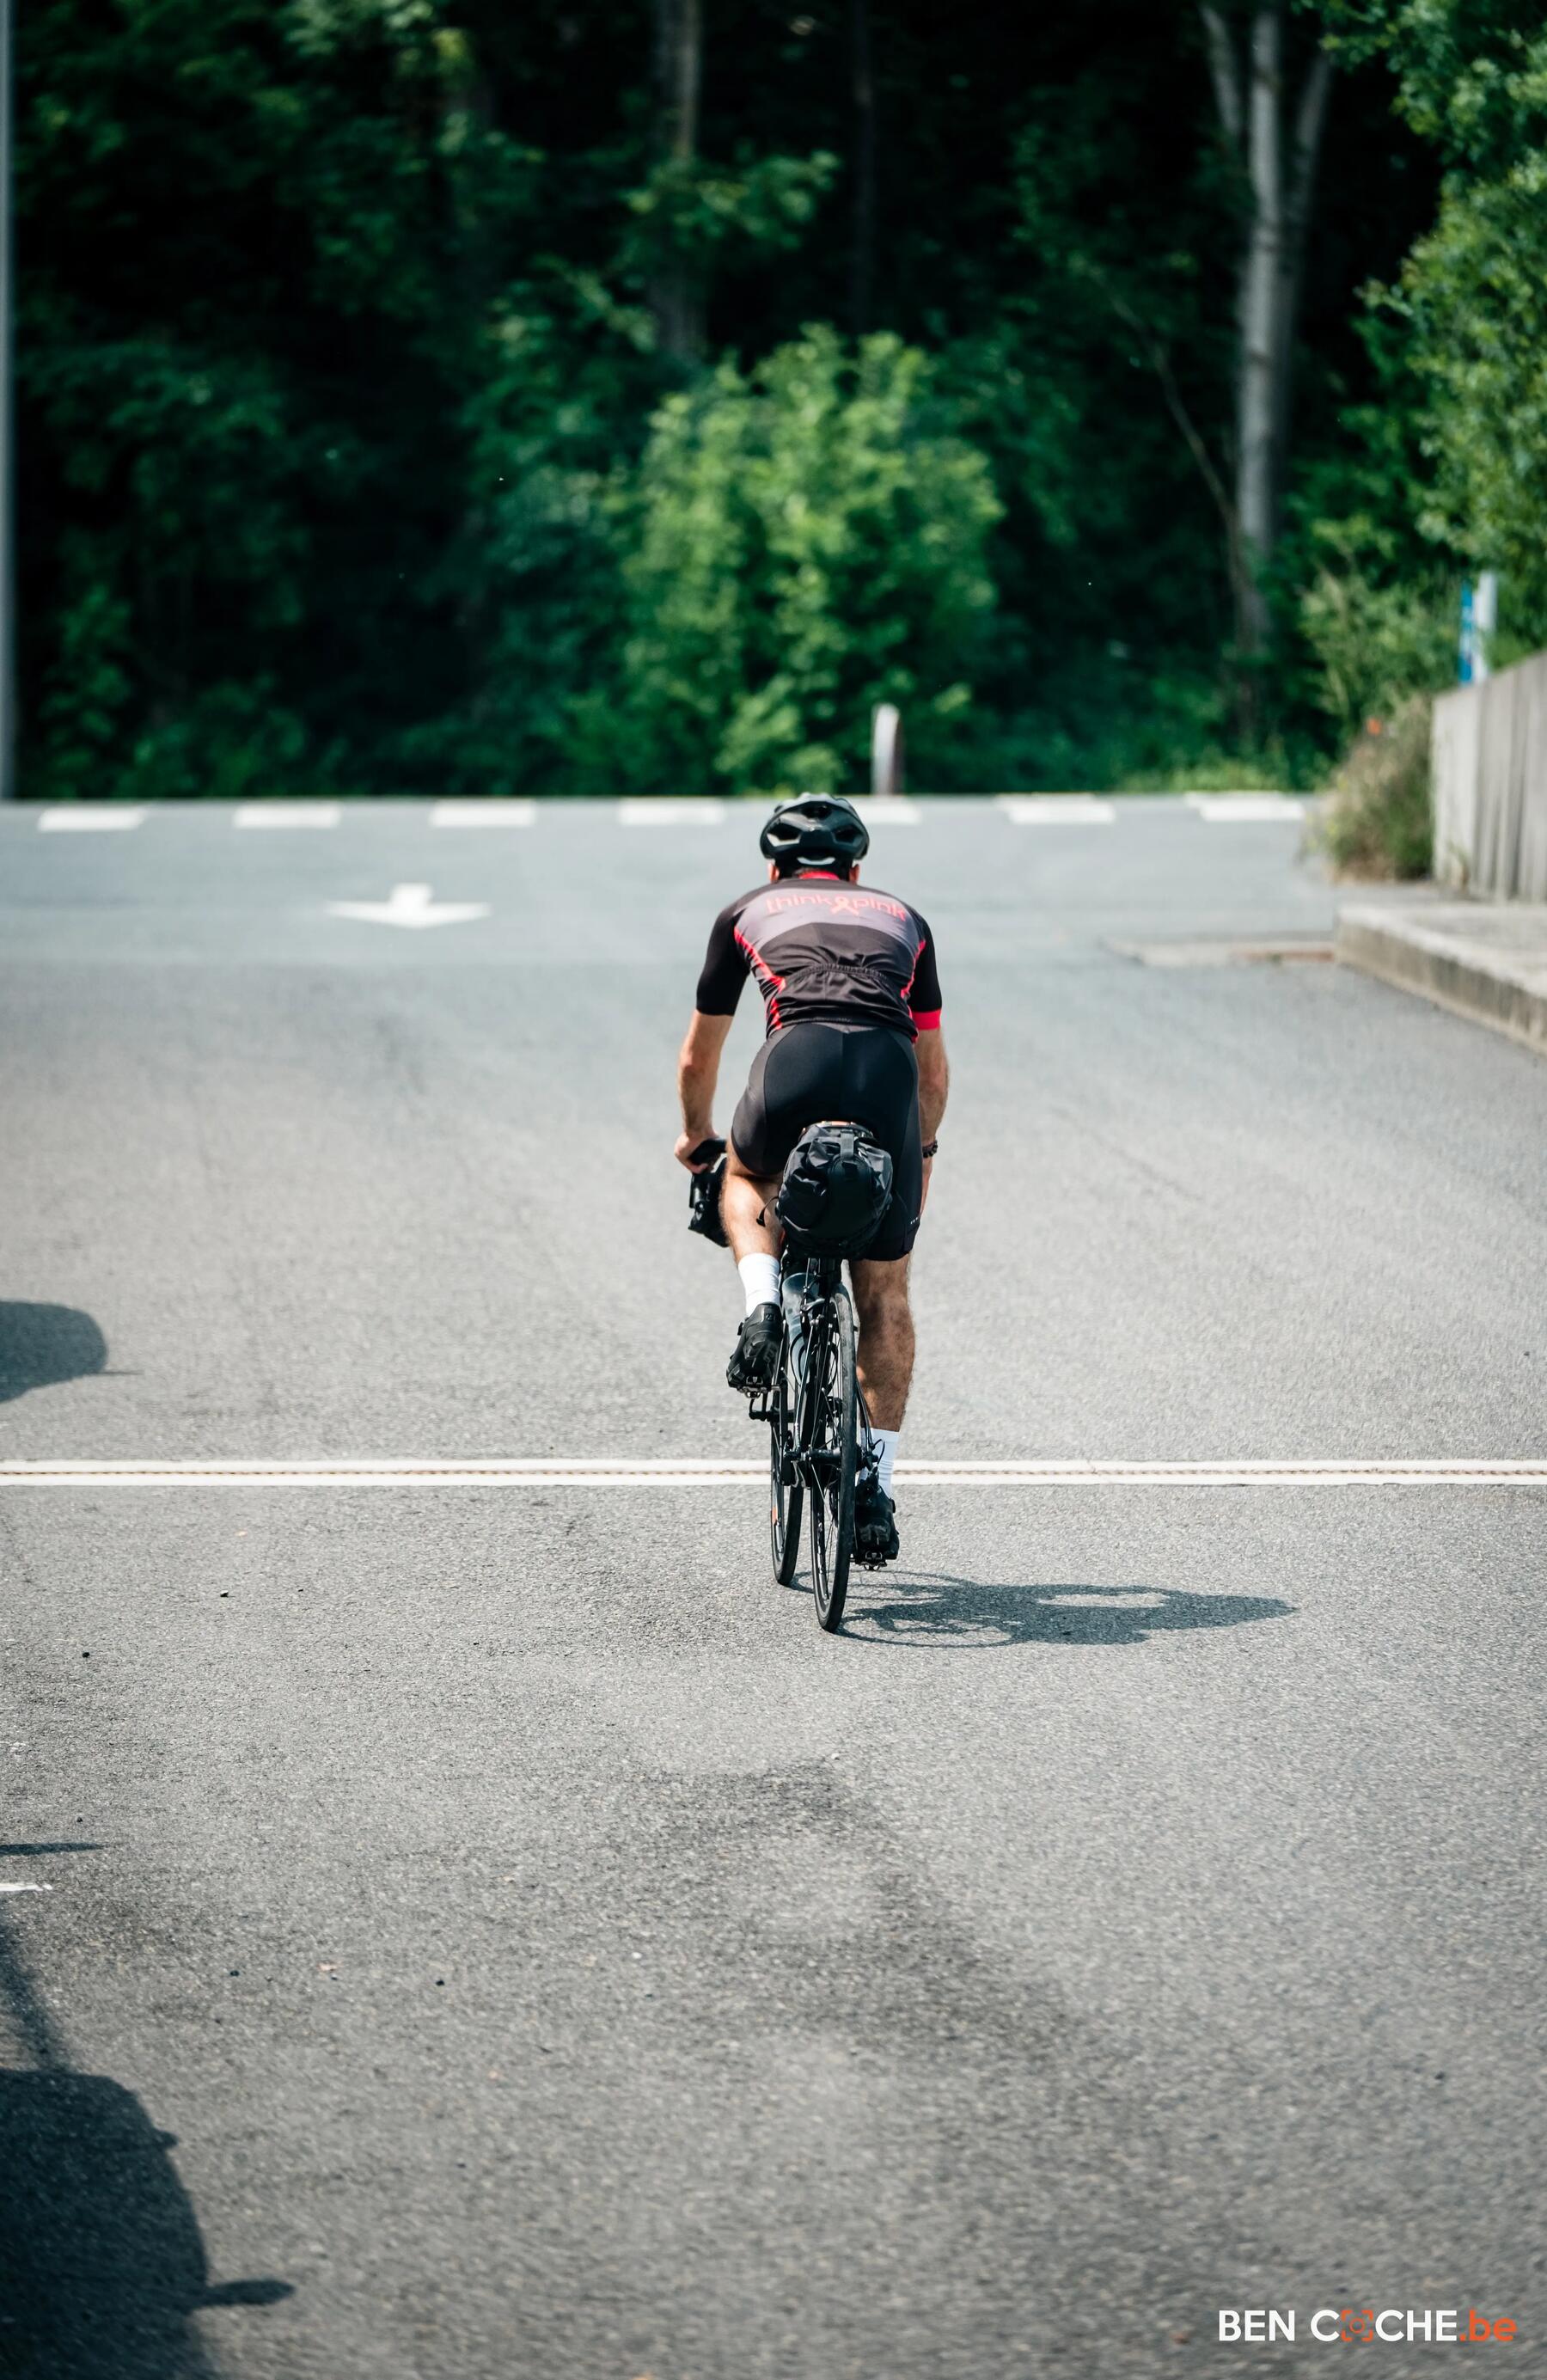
x=824 y=951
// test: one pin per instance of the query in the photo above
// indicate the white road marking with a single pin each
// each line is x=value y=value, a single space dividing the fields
x=286 y=814
x=886 y=809
x=412 y=905
x=692 y=1471
x=483 y=813
x=1244 y=809
x=1057 y=809
x=89 y=817
x=667 y=810
x=26 y=1888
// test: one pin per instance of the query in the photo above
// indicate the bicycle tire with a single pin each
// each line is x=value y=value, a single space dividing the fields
x=832 y=1508
x=786 y=1487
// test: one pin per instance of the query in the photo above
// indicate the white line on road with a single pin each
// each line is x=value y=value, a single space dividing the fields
x=26 y=1888
x=491 y=812
x=667 y=810
x=89 y=817
x=1057 y=809
x=1244 y=809
x=691 y=1471
x=286 y=814
x=886 y=809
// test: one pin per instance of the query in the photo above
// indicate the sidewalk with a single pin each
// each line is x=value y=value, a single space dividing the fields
x=1487 y=962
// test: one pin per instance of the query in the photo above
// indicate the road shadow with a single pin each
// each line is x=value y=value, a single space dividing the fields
x=965 y=1614
x=42 y=1346
x=102 y=2262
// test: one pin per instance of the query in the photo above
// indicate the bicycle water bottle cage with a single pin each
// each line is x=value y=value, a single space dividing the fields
x=836 y=1190
x=703 y=1193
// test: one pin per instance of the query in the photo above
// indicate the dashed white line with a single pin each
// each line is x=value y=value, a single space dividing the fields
x=692 y=1471
x=1245 y=809
x=89 y=818
x=1057 y=809
x=26 y=1888
x=491 y=813
x=668 y=810
x=886 y=809
x=286 y=814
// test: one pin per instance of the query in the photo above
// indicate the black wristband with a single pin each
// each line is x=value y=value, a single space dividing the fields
x=930 y=1147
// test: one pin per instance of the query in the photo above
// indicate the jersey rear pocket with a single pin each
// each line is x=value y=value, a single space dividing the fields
x=845 y=987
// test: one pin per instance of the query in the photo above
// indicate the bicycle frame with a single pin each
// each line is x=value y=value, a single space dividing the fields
x=807 y=1320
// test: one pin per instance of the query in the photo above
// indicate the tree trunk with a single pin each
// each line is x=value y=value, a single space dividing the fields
x=676 y=289
x=1251 y=108
x=1304 y=157
x=862 y=282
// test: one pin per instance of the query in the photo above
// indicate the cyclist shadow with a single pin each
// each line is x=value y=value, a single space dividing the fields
x=42 y=1346
x=967 y=1614
x=102 y=2261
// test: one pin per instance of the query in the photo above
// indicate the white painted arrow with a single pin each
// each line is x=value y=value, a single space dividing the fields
x=411 y=905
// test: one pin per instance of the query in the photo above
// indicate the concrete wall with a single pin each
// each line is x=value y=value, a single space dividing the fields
x=1490 y=778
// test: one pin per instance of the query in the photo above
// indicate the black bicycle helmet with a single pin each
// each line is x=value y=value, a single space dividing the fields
x=816 y=831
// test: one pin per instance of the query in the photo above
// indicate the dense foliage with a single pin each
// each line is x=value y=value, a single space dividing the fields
x=357 y=450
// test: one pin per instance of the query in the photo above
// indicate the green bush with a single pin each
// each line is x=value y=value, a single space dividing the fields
x=1377 y=644
x=806 y=540
x=1377 y=821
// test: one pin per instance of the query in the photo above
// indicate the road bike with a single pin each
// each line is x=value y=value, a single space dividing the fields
x=818 y=1433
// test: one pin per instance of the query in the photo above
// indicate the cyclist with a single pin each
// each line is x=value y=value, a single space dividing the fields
x=853 y=1001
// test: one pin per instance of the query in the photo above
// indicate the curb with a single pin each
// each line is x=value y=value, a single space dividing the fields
x=1488 y=964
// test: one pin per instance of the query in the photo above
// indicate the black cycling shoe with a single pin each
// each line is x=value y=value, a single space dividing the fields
x=875 y=1522
x=756 y=1359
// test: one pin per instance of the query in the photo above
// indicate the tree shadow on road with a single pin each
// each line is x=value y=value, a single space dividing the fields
x=102 y=2262
x=965 y=1614
x=42 y=1346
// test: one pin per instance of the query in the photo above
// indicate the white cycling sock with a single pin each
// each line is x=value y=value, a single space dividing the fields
x=886 y=1447
x=759 y=1281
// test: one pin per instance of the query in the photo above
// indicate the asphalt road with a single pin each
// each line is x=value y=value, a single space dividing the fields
x=489 y=1931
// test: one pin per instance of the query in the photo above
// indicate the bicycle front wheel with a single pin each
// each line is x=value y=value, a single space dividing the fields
x=834 y=1445
x=786 y=1487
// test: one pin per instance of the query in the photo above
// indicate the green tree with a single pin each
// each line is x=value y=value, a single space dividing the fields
x=1472 y=78
x=345 y=328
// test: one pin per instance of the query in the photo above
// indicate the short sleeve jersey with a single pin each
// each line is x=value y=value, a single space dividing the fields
x=824 y=951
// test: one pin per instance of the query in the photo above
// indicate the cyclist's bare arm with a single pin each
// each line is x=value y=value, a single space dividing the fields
x=697 y=1073
x=934 y=1081
x=933 y=1089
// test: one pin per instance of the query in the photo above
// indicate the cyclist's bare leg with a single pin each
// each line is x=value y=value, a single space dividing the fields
x=886 y=1350
x=746 y=1210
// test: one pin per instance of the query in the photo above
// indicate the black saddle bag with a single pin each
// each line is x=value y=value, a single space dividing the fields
x=836 y=1190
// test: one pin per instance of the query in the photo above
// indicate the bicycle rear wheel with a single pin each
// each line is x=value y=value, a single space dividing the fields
x=786 y=1487
x=834 y=1444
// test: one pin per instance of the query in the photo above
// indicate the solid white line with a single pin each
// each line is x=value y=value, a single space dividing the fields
x=286 y=814
x=89 y=817
x=696 y=1472
x=1244 y=809
x=1057 y=809
x=26 y=1888
x=492 y=812
x=666 y=809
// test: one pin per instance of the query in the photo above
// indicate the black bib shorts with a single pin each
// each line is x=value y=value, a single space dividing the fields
x=813 y=1073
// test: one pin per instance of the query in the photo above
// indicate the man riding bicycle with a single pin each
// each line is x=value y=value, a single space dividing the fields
x=853 y=1001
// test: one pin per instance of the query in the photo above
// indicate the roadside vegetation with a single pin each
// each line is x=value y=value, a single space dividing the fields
x=1375 y=818
x=433 y=394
